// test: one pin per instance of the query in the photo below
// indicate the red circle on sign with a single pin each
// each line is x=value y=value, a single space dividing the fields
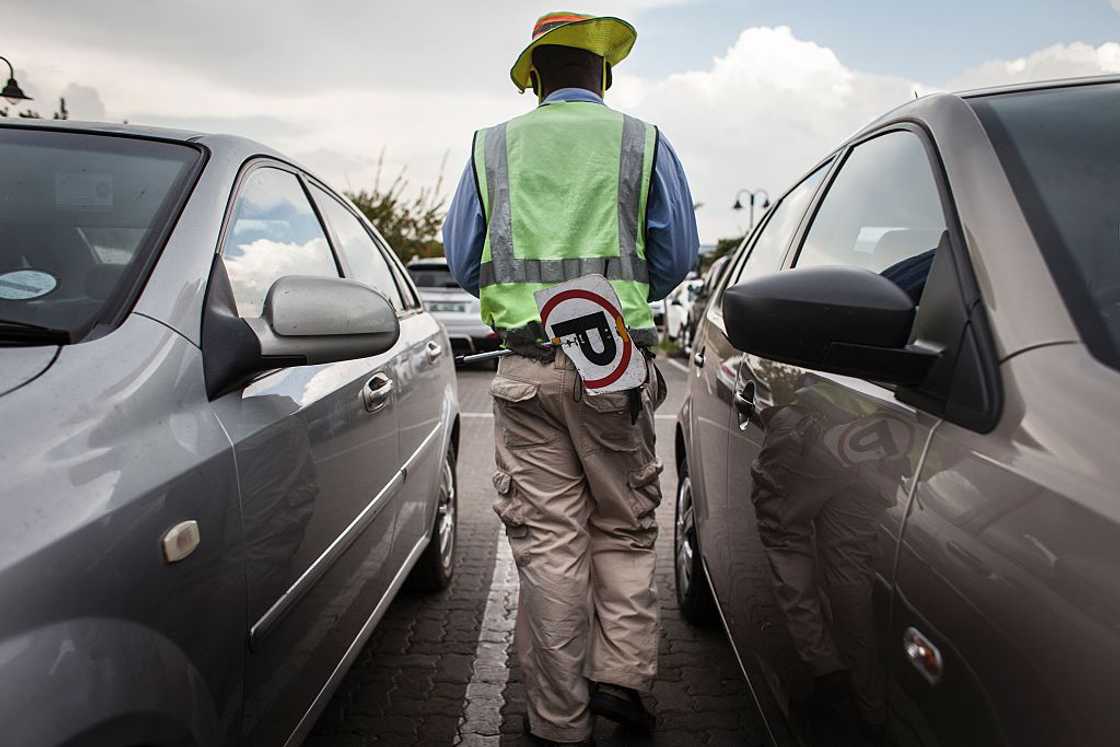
x=586 y=295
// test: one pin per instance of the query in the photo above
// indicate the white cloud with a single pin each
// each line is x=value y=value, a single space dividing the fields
x=255 y=265
x=770 y=107
x=1057 y=61
x=334 y=83
x=759 y=116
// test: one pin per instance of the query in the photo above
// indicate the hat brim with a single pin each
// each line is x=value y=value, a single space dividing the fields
x=606 y=36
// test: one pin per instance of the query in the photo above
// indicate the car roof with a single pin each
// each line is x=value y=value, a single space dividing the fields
x=233 y=144
x=913 y=107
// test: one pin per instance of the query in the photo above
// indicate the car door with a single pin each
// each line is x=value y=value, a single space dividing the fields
x=822 y=465
x=420 y=373
x=728 y=508
x=317 y=462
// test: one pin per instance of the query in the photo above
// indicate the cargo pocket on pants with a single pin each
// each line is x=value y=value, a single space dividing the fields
x=608 y=426
x=512 y=509
x=518 y=412
x=645 y=497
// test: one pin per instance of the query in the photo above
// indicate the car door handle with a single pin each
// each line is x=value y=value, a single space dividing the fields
x=923 y=655
x=744 y=403
x=376 y=392
x=434 y=351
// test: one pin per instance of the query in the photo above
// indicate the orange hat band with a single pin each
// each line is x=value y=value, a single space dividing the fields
x=548 y=23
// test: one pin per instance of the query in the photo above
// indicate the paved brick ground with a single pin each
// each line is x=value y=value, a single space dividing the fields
x=409 y=686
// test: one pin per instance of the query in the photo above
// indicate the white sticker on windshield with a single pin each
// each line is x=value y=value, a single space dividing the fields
x=25 y=284
x=83 y=191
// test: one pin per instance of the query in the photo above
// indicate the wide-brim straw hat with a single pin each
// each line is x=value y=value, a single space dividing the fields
x=609 y=37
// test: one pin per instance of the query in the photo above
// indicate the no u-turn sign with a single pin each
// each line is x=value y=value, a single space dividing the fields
x=585 y=317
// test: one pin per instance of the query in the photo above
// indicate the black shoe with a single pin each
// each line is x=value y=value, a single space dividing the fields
x=623 y=705
x=542 y=742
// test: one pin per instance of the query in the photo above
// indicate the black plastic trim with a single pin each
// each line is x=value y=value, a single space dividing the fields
x=934 y=399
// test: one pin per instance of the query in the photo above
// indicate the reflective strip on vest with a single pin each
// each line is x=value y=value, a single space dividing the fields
x=504 y=267
x=512 y=270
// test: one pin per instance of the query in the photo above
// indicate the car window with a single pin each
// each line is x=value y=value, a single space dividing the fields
x=882 y=212
x=274 y=232
x=366 y=262
x=81 y=216
x=432 y=276
x=1062 y=157
x=770 y=246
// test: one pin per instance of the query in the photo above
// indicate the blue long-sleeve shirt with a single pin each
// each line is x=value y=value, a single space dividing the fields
x=672 y=241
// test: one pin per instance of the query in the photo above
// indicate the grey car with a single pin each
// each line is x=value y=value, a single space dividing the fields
x=228 y=438
x=452 y=306
x=898 y=454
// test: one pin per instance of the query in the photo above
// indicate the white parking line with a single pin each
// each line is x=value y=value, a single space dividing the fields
x=677 y=364
x=482 y=705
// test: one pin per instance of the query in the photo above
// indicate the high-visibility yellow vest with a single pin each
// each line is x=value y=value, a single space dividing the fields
x=564 y=191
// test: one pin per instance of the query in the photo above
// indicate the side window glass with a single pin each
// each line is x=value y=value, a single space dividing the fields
x=770 y=246
x=882 y=213
x=273 y=233
x=365 y=260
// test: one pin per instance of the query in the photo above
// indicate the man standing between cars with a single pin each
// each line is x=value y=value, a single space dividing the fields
x=569 y=189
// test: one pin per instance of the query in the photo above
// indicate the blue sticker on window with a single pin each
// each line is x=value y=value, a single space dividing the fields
x=23 y=285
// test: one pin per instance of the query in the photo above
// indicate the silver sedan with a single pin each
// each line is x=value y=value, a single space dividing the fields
x=229 y=435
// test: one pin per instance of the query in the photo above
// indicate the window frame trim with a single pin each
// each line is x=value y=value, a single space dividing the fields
x=409 y=298
x=743 y=253
x=967 y=284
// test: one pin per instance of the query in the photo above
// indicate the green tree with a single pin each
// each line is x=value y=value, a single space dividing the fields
x=411 y=225
x=62 y=112
x=723 y=248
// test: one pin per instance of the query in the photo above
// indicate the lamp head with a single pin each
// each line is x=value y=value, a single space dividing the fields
x=13 y=93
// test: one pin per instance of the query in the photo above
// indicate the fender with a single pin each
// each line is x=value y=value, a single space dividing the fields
x=102 y=681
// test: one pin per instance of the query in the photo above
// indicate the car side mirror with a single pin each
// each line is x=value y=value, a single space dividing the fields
x=307 y=320
x=846 y=320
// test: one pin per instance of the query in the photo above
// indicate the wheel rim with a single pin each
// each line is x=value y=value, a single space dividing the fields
x=685 y=537
x=445 y=518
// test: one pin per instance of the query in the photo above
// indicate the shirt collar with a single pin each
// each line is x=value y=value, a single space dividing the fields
x=573 y=94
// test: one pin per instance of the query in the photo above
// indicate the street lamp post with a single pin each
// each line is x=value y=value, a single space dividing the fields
x=754 y=194
x=12 y=92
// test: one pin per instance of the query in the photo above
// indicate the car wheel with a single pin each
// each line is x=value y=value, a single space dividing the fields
x=694 y=596
x=436 y=566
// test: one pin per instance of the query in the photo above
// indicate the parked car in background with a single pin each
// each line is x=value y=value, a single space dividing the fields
x=452 y=306
x=897 y=456
x=229 y=437
x=678 y=307
x=700 y=302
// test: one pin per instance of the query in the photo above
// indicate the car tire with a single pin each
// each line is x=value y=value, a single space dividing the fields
x=436 y=566
x=694 y=595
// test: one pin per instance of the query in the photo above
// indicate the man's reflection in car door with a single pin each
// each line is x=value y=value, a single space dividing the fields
x=822 y=466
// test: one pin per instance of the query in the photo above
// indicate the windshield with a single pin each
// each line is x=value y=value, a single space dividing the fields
x=432 y=276
x=1061 y=153
x=80 y=216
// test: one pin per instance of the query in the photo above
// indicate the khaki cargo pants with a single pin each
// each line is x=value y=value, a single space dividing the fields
x=577 y=486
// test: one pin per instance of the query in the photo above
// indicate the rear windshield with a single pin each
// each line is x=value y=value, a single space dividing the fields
x=432 y=276
x=1061 y=151
x=80 y=216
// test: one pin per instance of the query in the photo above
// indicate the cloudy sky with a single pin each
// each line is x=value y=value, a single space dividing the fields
x=750 y=92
